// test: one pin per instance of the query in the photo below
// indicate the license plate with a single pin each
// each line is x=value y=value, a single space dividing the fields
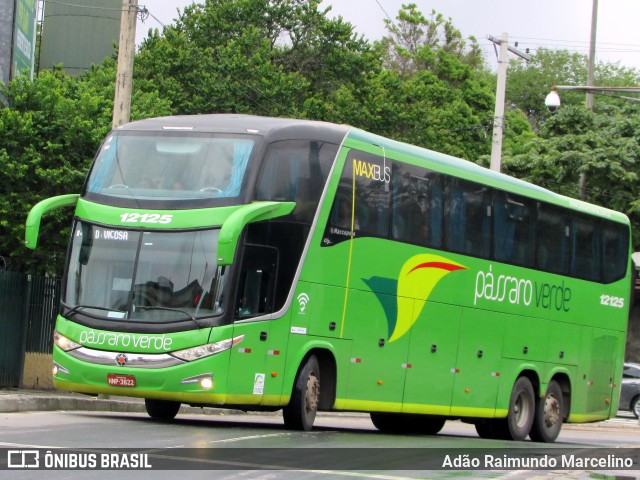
x=117 y=380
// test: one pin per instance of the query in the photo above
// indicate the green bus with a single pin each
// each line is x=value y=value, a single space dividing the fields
x=265 y=263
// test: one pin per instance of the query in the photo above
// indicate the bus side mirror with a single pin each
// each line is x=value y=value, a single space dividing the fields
x=32 y=227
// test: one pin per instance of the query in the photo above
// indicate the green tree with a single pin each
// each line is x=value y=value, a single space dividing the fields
x=439 y=94
x=413 y=34
x=603 y=145
x=528 y=83
x=268 y=58
x=49 y=134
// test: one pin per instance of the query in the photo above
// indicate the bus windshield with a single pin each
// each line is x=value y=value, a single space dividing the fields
x=170 y=165
x=143 y=276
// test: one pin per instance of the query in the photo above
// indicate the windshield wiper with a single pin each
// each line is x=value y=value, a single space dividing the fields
x=77 y=308
x=169 y=309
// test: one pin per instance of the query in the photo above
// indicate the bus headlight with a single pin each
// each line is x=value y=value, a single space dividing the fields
x=202 y=351
x=64 y=343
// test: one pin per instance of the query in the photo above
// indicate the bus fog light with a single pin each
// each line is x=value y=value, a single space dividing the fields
x=205 y=380
x=206 y=383
x=58 y=369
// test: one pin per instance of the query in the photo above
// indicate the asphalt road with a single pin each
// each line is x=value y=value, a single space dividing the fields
x=231 y=446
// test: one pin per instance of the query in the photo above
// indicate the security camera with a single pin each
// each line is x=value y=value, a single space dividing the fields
x=552 y=101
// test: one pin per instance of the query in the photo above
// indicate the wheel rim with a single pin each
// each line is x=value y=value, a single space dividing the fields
x=313 y=393
x=522 y=409
x=551 y=411
x=636 y=408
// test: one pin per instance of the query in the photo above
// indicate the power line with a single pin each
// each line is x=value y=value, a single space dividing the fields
x=143 y=13
x=83 y=6
x=577 y=41
x=155 y=18
x=387 y=15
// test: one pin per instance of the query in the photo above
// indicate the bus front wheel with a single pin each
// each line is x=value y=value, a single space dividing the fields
x=161 y=409
x=487 y=428
x=549 y=415
x=407 y=423
x=303 y=406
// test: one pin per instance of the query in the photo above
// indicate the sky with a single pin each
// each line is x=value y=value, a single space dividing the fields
x=553 y=24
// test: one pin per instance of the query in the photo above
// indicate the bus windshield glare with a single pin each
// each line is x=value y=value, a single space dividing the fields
x=170 y=165
x=143 y=276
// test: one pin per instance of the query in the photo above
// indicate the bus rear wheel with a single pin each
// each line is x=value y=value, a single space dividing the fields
x=161 y=409
x=303 y=406
x=549 y=415
x=407 y=423
x=519 y=419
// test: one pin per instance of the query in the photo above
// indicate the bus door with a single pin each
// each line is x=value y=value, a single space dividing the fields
x=432 y=360
x=377 y=367
x=257 y=362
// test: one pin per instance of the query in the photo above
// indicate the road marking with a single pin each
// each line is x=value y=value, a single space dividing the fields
x=249 y=437
x=268 y=467
x=22 y=445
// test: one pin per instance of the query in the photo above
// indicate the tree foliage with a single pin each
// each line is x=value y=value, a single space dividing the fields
x=413 y=37
x=49 y=134
x=528 y=83
x=252 y=56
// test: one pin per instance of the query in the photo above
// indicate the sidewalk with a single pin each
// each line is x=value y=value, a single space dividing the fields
x=25 y=400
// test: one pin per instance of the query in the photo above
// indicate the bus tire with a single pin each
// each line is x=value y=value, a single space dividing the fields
x=486 y=429
x=161 y=409
x=549 y=415
x=303 y=406
x=429 y=424
x=635 y=407
x=385 y=422
x=407 y=423
x=522 y=408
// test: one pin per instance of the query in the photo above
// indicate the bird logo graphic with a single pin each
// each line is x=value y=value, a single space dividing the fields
x=418 y=277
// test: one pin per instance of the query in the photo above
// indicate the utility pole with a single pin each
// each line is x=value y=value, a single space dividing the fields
x=498 y=116
x=124 y=75
x=582 y=182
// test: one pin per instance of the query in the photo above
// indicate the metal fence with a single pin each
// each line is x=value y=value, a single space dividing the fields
x=28 y=308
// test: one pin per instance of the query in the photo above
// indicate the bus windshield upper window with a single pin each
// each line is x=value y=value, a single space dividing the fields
x=167 y=167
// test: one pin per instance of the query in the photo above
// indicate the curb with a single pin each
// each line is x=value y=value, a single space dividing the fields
x=43 y=402
x=13 y=403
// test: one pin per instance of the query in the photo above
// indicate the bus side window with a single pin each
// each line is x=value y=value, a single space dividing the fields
x=586 y=248
x=371 y=197
x=296 y=170
x=416 y=206
x=256 y=287
x=467 y=216
x=615 y=255
x=513 y=229
x=372 y=208
x=552 y=240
